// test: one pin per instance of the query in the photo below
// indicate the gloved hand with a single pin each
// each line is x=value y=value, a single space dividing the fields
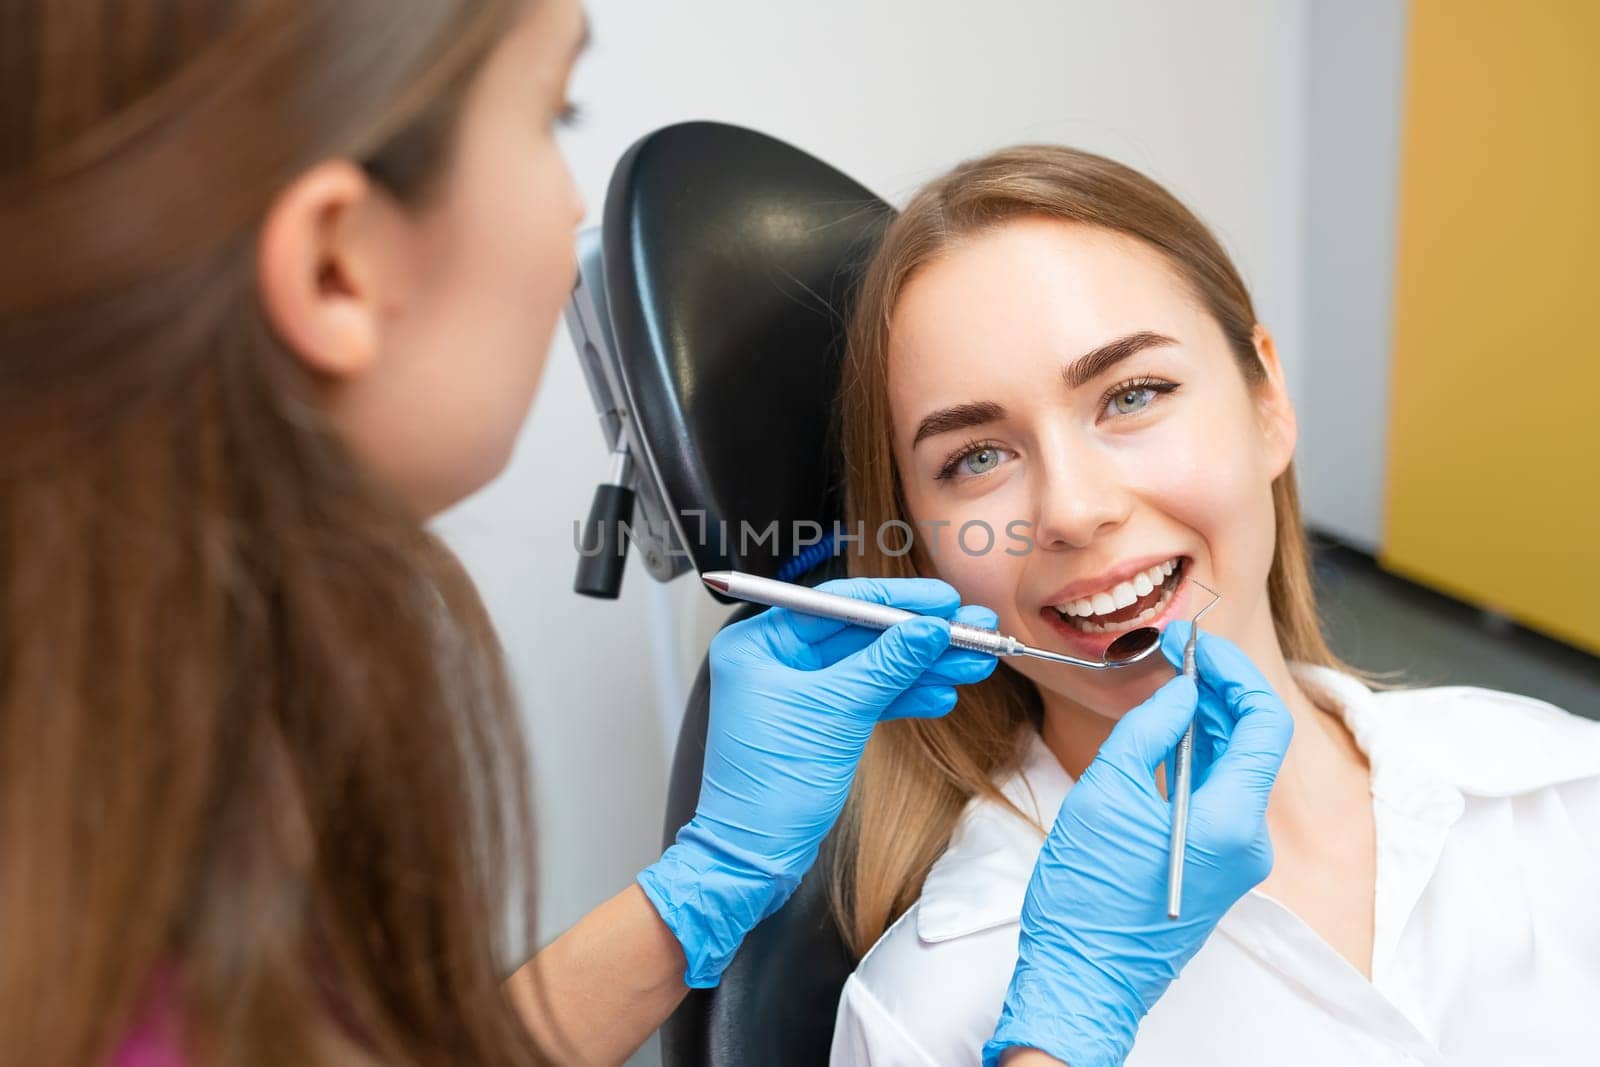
x=1213 y=722
x=1096 y=948
x=793 y=700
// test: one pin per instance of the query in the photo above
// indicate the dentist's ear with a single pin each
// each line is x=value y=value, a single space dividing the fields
x=1273 y=406
x=324 y=279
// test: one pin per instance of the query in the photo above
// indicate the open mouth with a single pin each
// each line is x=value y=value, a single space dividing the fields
x=1129 y=603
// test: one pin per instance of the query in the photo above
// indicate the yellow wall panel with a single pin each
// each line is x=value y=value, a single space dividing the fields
x=1493 y=481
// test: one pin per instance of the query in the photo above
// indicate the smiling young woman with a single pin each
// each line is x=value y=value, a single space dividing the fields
x=1009 y=213
x=1049 y=344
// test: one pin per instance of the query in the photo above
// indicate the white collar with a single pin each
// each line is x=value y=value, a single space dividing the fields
x=983 y=875
x=1426 y=747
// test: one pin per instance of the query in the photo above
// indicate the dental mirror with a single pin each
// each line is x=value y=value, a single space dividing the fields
x=1133 y=646
x=1126 y=650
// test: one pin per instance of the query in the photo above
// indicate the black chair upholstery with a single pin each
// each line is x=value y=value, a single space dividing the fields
x=730 y=260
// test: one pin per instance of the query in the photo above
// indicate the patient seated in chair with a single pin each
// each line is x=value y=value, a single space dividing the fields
x=1056 y=380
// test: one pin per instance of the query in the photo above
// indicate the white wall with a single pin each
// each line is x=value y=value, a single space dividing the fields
x=1355 y=69
x=1207 y=98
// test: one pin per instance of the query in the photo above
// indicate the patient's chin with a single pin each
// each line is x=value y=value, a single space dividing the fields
x=1110 y=693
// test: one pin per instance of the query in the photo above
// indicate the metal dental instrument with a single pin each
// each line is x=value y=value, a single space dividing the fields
x=1128 y=649
x=1183 y=760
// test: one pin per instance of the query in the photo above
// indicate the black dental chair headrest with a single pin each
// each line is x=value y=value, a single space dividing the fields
x=730 y=259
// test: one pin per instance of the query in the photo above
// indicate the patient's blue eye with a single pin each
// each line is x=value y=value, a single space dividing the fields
x=1131 y=400
x=973 y=459
x=1132 y=397
x=982 y=461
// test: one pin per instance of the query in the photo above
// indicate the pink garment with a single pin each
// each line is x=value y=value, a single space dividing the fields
x=153 y=1039
x=147 y=1049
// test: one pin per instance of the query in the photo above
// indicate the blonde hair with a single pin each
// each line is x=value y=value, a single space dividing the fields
x=917 y=775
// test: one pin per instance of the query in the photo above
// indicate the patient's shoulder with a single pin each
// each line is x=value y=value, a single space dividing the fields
x=1440 y=705
x=1492 y=743
x=940 y=971
x=947 y=993
x=1481 y=741
x=904 y=954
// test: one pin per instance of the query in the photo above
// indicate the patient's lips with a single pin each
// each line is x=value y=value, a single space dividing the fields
x=1106 y=581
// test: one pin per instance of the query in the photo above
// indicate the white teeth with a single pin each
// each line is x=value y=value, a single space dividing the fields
x=1089 y=627
x=1122 y=595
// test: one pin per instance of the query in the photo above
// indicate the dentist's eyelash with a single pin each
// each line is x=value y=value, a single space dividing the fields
x=948 y=470
x=570 y=115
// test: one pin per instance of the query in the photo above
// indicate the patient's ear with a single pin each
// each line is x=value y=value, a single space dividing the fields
x=1275 y=412
x=325 y=277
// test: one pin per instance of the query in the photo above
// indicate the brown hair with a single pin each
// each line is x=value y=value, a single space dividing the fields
x=918 y=774
x=257 y=750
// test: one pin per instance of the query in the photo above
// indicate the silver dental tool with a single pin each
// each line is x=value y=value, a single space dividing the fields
x=1183 y=761
x=1127 y=649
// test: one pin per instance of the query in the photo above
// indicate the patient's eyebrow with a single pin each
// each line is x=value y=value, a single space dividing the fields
x=1088 y=367
x=958 y=418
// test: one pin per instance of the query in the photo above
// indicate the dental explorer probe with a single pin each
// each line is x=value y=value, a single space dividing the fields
x=1130 y=648
x=1182 y=763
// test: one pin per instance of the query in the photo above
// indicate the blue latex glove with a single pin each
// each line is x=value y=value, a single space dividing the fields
x=793 y=700
x=1096 y=948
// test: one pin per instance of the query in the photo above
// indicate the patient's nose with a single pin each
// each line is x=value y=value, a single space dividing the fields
x=1078 y=499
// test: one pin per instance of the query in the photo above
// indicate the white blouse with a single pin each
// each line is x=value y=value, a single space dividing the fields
x=1486 y=940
